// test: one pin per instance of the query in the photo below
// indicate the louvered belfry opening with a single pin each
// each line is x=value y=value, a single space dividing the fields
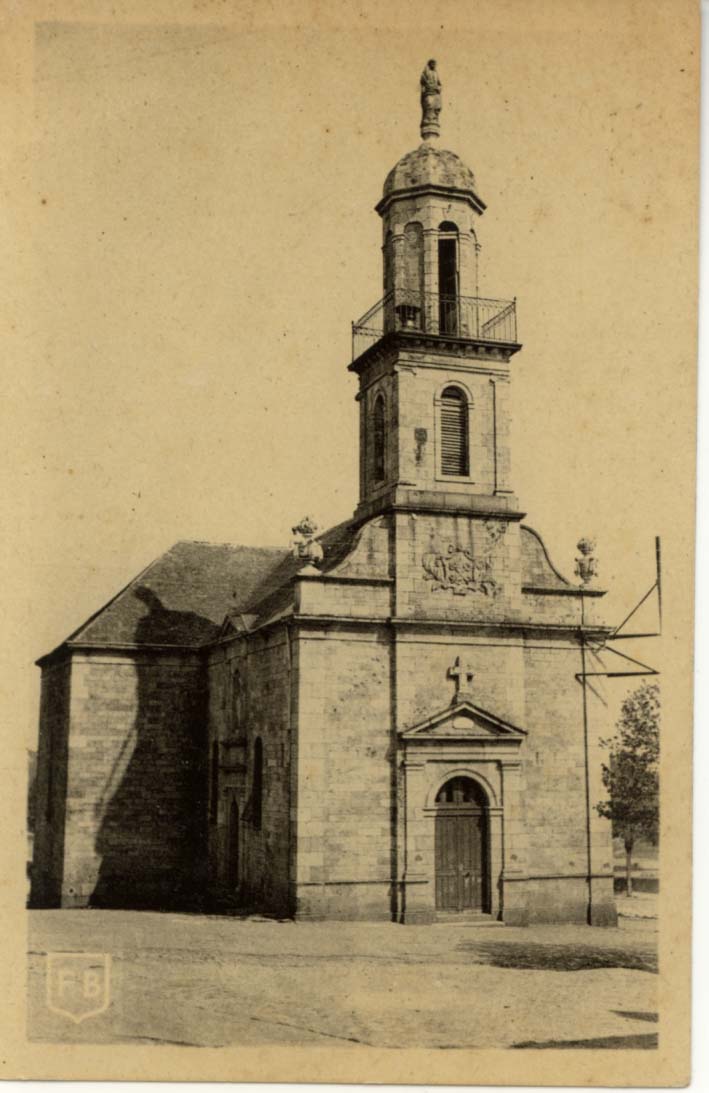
x=448 y=299
x=454 y=433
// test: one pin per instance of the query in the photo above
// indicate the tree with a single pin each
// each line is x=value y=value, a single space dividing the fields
x=631 y=776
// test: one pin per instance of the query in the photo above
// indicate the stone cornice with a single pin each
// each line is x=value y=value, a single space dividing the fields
x=461 y=348
x=384 y=505
x=572 y=631
x=335 y=578
x=573 y=591
x=523 y=627
x=431 y=189
x=69 y=650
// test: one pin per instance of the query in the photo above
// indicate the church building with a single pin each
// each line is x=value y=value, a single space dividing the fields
x=394 y=720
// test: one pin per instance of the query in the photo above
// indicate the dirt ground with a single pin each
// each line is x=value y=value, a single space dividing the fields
x=201 y=980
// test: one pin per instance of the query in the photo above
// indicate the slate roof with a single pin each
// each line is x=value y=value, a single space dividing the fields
x=183 y=598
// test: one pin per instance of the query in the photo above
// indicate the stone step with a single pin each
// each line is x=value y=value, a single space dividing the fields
x=467 y=918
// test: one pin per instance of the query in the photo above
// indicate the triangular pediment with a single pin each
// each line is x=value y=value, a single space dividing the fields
x=464 y=721
x=236 y=623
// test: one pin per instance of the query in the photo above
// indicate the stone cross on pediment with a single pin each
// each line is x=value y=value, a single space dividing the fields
x=462 y=673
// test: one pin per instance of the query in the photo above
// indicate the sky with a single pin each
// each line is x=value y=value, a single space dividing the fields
x=199 y=232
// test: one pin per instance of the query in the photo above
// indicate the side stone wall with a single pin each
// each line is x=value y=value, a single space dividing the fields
x=250 y=701
x=50 y=786
x=133 y=832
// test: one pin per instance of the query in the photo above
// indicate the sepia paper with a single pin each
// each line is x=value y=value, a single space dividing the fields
x=191 y=234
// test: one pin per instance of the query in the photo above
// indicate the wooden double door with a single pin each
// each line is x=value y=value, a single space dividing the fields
x=461 y=859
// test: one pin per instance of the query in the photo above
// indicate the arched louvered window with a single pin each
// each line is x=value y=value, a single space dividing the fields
x=454 y=433
x=379 y=438
x=257 y=792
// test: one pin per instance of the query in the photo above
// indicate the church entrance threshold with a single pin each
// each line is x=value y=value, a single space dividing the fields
x=468 y=918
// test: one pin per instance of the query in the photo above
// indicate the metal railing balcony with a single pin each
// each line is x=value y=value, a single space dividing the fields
x=470 y=317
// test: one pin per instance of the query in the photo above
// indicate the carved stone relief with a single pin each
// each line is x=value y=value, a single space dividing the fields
x=461 y=571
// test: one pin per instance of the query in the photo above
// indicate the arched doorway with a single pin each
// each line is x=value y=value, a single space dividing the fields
x=462 y=851
x=233 y=847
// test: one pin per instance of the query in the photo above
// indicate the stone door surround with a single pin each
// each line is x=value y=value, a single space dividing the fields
x=461 y=741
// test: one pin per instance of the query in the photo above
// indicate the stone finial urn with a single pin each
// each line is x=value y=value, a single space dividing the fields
x=304 y=544
x=586 y=564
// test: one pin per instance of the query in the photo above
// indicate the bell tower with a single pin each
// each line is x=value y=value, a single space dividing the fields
x=433 y=355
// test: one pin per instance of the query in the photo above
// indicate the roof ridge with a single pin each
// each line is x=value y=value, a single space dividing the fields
x=228 y=543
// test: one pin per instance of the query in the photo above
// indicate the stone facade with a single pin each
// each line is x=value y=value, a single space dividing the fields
x=345 y=770
x=370 y=764
x=393 y=721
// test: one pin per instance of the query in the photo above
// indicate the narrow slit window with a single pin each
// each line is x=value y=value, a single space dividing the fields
x=454 y=433
x=379 y=432
x=214 y=784
x=257 y=793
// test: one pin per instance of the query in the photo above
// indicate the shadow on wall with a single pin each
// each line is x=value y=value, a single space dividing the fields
x=151 y=817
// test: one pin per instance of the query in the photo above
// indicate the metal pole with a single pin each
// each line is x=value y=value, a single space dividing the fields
x=587 y=787
x=658 y=563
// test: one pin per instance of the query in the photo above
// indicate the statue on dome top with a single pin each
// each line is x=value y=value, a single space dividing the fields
x=430 y=101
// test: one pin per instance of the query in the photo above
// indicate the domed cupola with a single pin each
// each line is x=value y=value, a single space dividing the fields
x=428 y=211
x=430 y=170
x=429 y=166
